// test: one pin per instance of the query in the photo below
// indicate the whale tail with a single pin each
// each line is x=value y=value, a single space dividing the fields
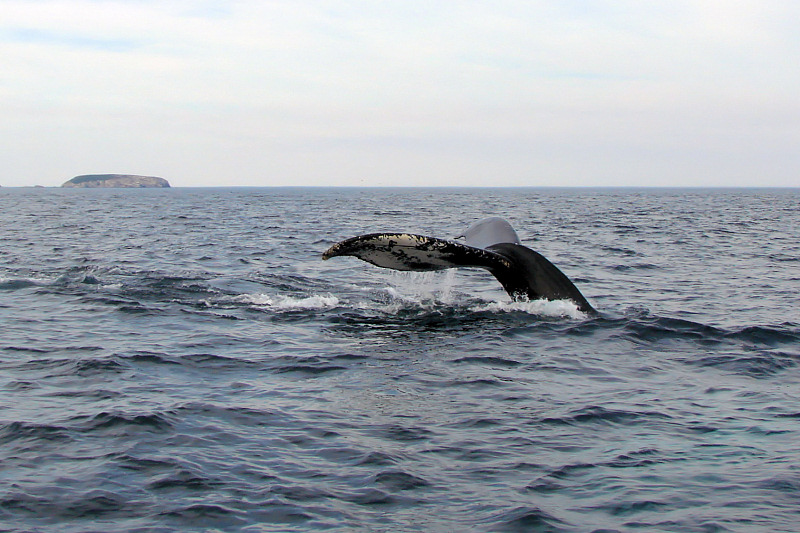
x=491 y=244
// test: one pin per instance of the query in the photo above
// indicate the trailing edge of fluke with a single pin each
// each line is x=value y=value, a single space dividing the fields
x=491 y=244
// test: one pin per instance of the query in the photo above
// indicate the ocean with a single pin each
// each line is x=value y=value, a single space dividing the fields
x=183 y=360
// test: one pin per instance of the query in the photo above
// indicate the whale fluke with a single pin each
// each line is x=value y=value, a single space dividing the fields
x=491 y=244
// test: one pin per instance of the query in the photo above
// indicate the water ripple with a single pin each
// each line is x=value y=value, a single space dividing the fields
x=182 y=360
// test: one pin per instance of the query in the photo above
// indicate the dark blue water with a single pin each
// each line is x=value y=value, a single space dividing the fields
x=182 y=360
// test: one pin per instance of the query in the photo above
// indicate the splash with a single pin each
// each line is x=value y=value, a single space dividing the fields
x=425 y=288
x=553 y=308
x=281 y=302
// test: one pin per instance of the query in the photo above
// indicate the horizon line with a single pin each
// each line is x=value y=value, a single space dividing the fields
x=416 y=187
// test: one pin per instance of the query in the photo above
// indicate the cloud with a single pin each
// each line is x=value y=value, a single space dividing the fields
x=26 y=35
x=327 y=92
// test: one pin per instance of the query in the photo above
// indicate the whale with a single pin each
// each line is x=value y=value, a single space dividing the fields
x=491 y=244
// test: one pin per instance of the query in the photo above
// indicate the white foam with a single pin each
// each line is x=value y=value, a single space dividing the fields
x=554 y=308
x=408 y=297
x=281 y=302
x=394 y=293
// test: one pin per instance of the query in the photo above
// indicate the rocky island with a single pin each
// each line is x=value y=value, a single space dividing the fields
x=116 y=180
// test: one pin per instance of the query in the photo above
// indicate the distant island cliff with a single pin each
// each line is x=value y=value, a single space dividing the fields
x=116 y=180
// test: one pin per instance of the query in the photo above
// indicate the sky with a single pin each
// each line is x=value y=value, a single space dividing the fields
x=402 y=92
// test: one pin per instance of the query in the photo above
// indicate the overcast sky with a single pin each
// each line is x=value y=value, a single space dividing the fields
x=402 y=92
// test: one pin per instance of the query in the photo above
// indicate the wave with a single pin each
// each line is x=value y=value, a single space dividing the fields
x=408 y=301
x=599 y=415
x=144 y=292
x=15 y=284
x=124 y=423
x=17 y=431
x=760 y=364
x=651 y=328
x=524 y=519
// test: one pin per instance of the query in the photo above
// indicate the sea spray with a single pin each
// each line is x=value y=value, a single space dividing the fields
x=425 y=288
